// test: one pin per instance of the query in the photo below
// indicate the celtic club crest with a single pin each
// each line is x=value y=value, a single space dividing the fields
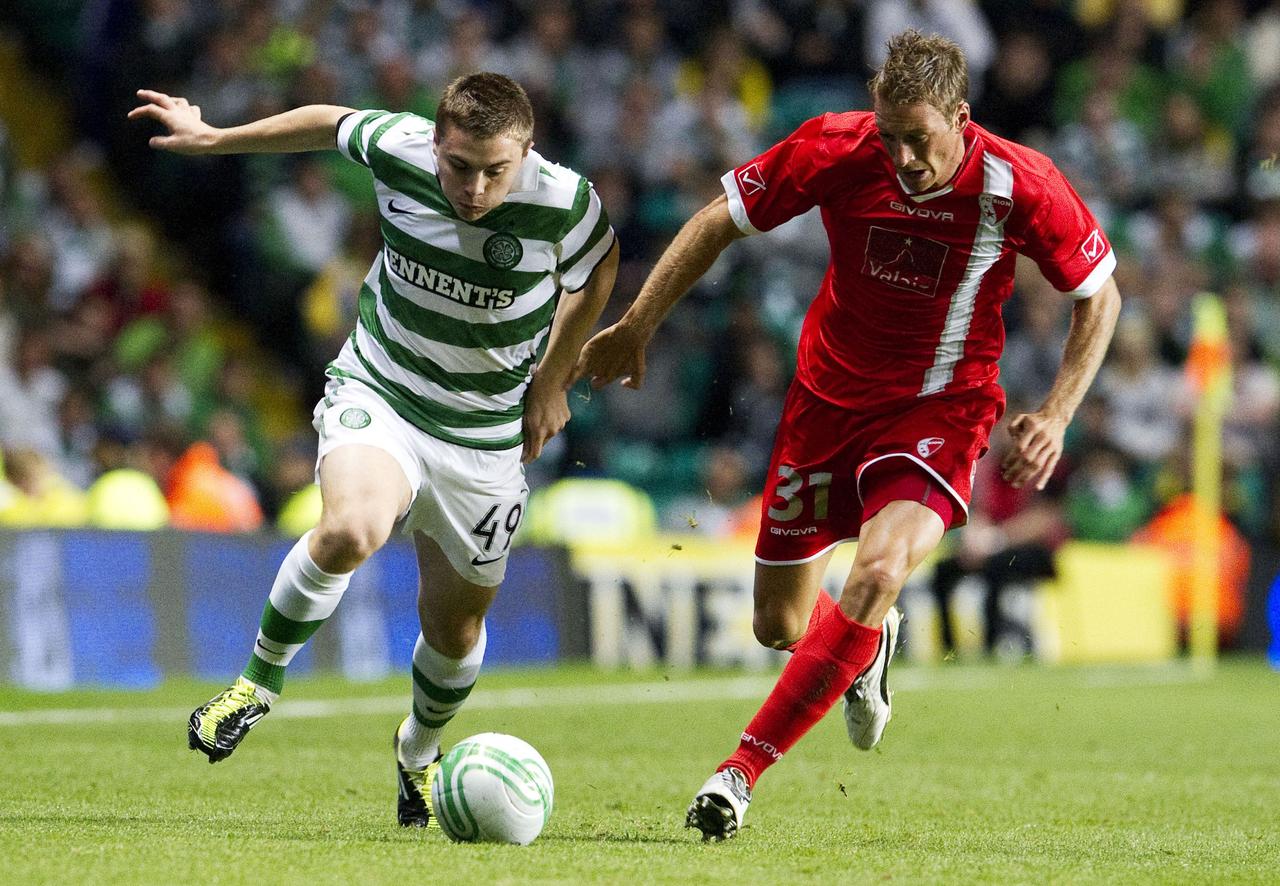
x=503 y=251
x=355 y=418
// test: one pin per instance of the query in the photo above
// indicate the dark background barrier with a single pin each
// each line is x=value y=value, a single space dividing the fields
x=127 y=609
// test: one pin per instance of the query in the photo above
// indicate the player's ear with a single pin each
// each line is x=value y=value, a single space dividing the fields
x=963 y=115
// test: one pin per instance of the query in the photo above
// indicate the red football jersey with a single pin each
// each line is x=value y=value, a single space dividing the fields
x=911 y=302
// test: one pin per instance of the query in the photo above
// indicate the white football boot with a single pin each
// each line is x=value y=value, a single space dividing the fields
x=718 y=808
x=868 y=703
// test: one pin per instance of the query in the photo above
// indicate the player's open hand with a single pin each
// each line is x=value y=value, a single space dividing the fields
x=613 y=353
x=1037 y=446
x=546 y=412
x=188 y=134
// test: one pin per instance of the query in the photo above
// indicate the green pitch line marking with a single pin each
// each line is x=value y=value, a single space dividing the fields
x=654 y=692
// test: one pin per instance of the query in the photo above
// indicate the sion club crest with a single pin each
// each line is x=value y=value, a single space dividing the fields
x=929 y=445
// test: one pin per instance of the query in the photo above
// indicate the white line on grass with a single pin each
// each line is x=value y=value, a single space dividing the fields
x=654 y=692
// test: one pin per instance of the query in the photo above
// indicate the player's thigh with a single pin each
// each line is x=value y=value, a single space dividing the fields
x=364 y=484
x=784 y=598
x=895 y=541
x=451 y=609
x=369 y=471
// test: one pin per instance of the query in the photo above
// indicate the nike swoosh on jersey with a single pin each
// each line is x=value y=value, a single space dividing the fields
x=476 y=561
x=392 y=207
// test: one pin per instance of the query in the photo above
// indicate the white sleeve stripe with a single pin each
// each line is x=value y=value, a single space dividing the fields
x=1096 y=277
x=577 y=276
x=577 y=237
x=349 y=122
x=737 y=209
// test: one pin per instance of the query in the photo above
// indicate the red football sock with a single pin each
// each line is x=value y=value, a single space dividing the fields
x=825 y=663
x=821 y=607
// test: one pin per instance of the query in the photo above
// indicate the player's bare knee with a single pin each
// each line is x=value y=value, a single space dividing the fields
x=343 y=543
x=452 y=639
x=878 y=578
x=777 y=628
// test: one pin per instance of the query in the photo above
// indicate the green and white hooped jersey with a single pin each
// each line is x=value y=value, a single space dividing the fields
x=453 y=314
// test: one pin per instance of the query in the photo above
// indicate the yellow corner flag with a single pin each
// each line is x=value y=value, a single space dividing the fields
x=1209 y=372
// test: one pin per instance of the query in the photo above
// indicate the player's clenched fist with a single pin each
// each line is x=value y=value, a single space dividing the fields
x=1037 y=446
x=616 y=352
x=188 y=134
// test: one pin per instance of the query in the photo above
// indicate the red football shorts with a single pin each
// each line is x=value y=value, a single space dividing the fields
x=833 y=469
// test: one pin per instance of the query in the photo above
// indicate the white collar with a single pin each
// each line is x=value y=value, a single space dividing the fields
x=527 y=177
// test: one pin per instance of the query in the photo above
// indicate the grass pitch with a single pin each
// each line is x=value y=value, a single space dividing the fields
x=986 y=775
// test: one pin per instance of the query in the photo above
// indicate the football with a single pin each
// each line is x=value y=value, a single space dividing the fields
x=492 y=788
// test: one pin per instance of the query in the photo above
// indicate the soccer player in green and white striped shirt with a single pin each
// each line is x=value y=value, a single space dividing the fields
x=495 y=266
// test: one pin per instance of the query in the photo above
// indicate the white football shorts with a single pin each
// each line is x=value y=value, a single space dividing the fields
x=470 y=501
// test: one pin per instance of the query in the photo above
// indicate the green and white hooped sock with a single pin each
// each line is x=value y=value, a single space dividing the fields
x=440 y=686
x=302 y=598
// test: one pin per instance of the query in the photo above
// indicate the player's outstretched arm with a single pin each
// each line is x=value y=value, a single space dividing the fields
x=618 y=352
x=546 y=408
x=309 y=128
x=1037 y=436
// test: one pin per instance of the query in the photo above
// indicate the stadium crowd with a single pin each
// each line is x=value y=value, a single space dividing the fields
x=165 y=321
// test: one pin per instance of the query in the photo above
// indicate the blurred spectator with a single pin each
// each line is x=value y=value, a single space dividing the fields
x=330 y=304
x=83 y=243
x=1105 y=155
x=77 y=436
x=1007 y=543
x=202 y=494
x=469 y=47
x=1033 y=350
x=1137 y=90
x=154 y=396
x=1207 y=60
x=1017 y=99
x=1050 y=20
x=1174 y=530
x=726 y=66
x=126 y=499
x=184 y=330
x=960 y=20
x=1142 y=395
x=1188 y=158
x=1104 y=500
x=712 y=510
x=44 y=498
x=1262 y=44
x=1179 y=235
x=306 y=219
x=1261 y=172
x=800 y=39
x=33 y=389
x=642 y=53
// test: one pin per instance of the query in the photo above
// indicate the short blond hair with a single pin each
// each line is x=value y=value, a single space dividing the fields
x=920 y=68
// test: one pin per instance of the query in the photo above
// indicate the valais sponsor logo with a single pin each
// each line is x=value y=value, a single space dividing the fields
x=1094 y=246
x=751 y=180
x=922 y=211
x=929 y=445
x=763 y=745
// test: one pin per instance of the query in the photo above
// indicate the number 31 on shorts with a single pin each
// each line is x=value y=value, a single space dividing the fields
x=789 y=491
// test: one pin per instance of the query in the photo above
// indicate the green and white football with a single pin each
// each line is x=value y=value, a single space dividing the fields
x=492 y=788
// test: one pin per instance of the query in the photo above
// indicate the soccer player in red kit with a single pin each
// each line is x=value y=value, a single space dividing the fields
x=895 y=389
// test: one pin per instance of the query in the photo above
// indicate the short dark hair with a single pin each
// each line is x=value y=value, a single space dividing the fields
x=486 y=105
x=919 y=68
